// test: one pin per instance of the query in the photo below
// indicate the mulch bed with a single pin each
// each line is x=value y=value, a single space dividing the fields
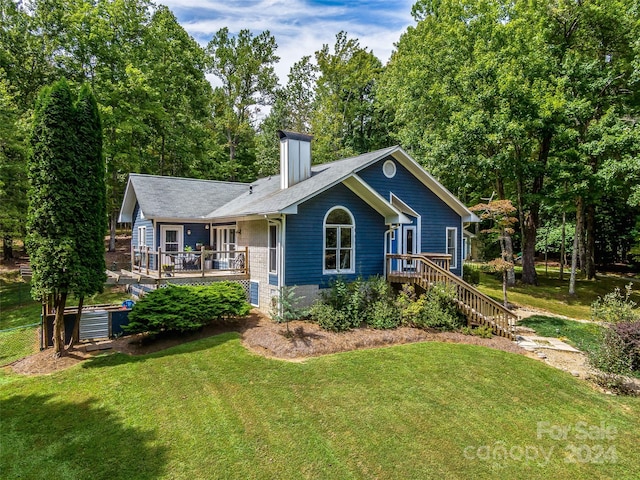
x=264 y=337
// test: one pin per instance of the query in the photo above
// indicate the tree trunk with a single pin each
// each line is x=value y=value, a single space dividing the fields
x=582 y=260
x=532 y=217
x=562 y=249
x=574 y=254
x=507 y=247
x=75 y=337
x=529 y=275
x=232 y=161
x=58 y=324
x=546 y=252
x=504 y=288
x=508 y=256
x=7 y=247
x=113 y=219
x=162 y=156
x=590 y=242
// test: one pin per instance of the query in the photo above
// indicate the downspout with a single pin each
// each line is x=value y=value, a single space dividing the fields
x=154 y=246
x=283 y=226
x=281 y=223
x=386 y=244
x=460 y=253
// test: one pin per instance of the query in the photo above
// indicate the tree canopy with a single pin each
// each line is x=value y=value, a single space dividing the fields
x=535 y=101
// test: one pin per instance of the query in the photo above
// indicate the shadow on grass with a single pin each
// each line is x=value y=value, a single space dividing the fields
x=184 y=346
x=43 y=436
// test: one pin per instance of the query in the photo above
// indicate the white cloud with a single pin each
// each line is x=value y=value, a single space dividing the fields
x=300 y=27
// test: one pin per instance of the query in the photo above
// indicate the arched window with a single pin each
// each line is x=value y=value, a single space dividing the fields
x=339 y=241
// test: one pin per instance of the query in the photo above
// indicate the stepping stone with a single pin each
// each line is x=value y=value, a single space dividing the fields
x=94 y=348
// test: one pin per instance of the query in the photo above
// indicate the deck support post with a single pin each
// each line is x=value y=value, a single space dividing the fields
x=202 y=259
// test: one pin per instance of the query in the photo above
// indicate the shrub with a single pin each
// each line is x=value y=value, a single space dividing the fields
x=616 y=383
x=629 y=335
x=345 y=306
x=330 y=318
x=434 y=309
x=284 y=307
x=466 y=331
x=348 y=305
x=471 y=274
x=186 y=308
x=618 y=351
x=483 y=331
x=616 y=307
x=347 y=298
x=383 y=314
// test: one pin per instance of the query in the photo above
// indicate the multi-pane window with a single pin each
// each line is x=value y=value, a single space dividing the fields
x=273 y=249
x=142 y=236
x=171 y=243
x=226 y=242
x=452 y=245
x=339 y=245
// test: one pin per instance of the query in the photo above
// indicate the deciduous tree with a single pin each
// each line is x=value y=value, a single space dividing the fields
x=244 y=63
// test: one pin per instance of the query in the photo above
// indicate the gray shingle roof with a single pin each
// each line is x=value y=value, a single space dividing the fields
x=267 y=197
x=191 y=199
x=174 y=197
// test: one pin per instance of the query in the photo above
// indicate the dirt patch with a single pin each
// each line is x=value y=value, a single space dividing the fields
x=262 y=336
x=309 y=340
x=121 y=257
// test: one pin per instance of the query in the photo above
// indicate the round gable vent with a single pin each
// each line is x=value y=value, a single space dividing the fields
x=389 y=169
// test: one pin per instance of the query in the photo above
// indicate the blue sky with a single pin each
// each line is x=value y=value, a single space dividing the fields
x=300 y=27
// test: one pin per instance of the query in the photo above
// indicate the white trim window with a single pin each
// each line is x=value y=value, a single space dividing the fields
x=452 y=246
x=273 y=248
x=172 y=237
x=224 y=242
x=142 y=236
x=171 y=240
x=339 y=241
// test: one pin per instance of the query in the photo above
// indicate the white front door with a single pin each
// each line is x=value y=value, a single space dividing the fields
x=171 y=240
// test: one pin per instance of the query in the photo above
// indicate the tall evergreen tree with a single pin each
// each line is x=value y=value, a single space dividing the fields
x=92 y=223
x=66 y=217
x=53 y=203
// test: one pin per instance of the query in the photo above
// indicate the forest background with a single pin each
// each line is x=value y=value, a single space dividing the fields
x=536 y=102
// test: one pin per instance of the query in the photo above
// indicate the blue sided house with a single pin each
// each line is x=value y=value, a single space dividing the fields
x=379 y=213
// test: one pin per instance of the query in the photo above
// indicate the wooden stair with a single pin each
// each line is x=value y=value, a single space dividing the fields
x=476 y=306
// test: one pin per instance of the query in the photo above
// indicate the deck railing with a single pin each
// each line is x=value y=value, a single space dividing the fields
x=475 y=305
x=163 y=264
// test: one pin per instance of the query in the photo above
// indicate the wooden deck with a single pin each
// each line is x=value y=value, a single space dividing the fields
x=159 y=265
x=425 y=272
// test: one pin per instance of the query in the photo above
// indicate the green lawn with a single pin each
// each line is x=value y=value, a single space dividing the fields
x=211 y=409
x=581 y=335
x=552 y=294
x=20 y=316
x=17 y=308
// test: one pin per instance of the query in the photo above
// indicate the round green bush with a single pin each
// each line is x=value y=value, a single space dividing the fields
x=187 y=308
